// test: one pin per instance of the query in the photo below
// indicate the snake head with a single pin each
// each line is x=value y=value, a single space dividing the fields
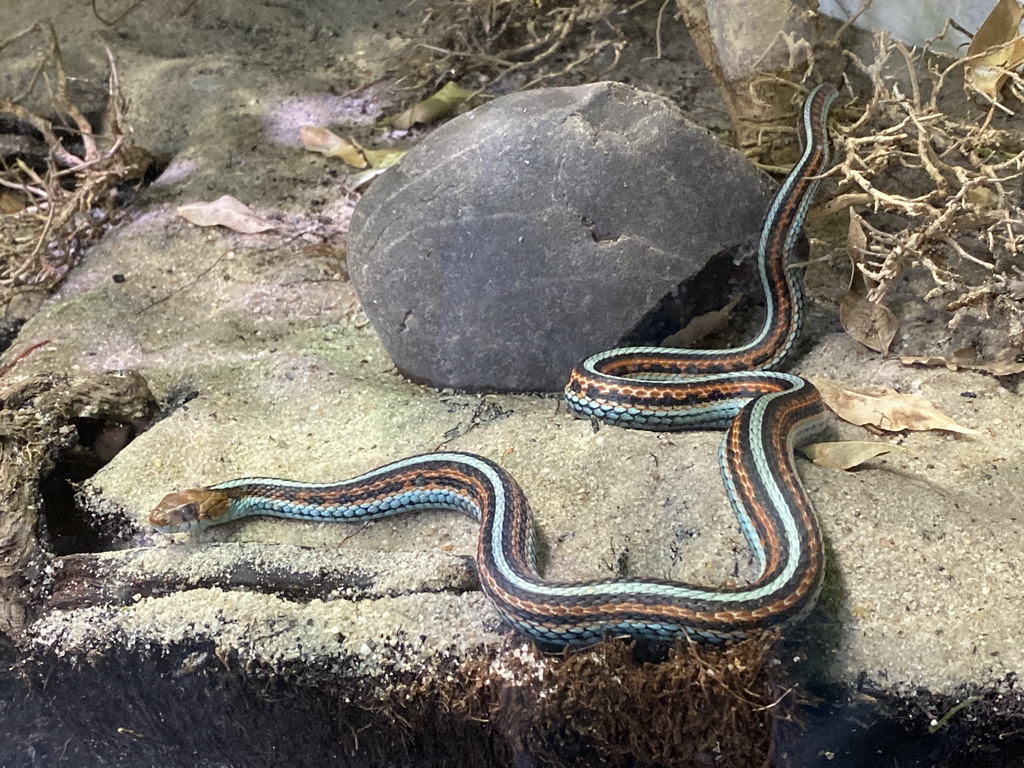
x=190 y=510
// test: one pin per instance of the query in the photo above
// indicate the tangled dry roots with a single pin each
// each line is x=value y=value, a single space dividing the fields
x=501 y=46
x=60 y=208
x=944 y=193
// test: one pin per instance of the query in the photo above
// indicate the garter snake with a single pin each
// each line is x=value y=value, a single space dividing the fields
x=764 y=414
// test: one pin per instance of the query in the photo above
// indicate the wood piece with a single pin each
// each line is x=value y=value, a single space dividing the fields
x=37 y=424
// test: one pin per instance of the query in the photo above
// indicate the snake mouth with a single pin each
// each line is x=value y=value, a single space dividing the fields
x=185 y=527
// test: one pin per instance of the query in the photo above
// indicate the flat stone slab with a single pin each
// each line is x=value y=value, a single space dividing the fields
x=923 y=541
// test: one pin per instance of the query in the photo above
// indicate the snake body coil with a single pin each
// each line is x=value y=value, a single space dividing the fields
x=764 y=413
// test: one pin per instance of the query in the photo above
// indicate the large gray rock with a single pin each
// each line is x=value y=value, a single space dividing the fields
x=543 y=227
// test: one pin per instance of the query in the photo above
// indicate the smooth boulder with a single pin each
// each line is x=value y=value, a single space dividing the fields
x=542 y=227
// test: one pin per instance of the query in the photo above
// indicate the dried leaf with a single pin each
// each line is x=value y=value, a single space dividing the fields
x=351 y=152
x=701 y=326
x=950 y=363
x=437 y=107
x=383 y=158
x=982 y=198
x=227 y=212
x=1004 y=363
x=330 y=144
x=856 y=240
x=357 y=180
x=888 y=410
x=846 y=454
x=869 y=323
x=999 y=48
x=12 y=202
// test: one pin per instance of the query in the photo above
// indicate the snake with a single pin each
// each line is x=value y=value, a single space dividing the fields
x=765 y=414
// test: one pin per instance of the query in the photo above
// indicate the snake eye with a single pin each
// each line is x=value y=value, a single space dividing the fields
x=189 y=513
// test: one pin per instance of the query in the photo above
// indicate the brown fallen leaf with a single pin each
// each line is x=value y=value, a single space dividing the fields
x=325 y=142
x=432 y=109
x=999 y=49
x=1006 y=362
x=227 y=212
x=351 y=152
x=701 y=326
x=887 y=410
x=382 y=158
x=12 y=202
x=866 y=322
x=845 y=454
